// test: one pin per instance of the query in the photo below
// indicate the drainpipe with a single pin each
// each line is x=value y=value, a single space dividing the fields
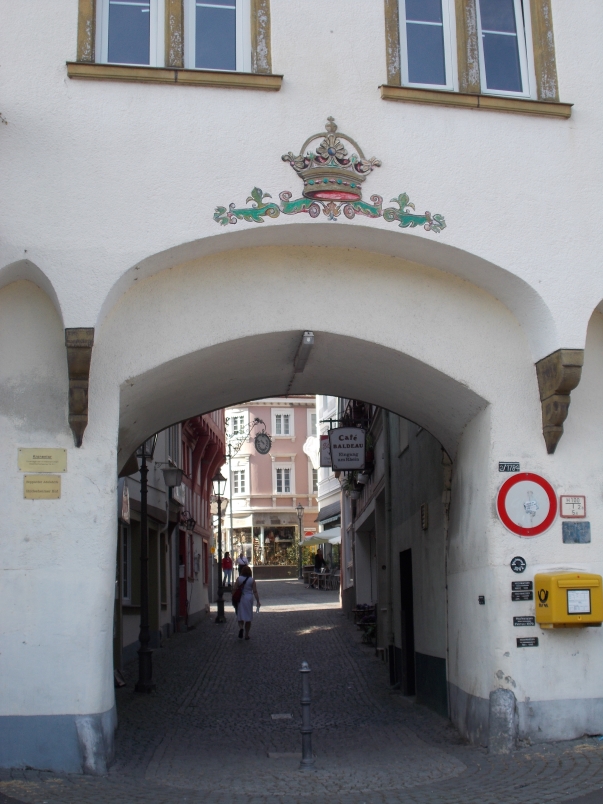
x=388 y=525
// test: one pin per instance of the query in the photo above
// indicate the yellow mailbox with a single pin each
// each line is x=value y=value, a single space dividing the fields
x=568 y=599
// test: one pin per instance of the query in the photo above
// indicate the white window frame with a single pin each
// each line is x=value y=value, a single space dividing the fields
x=126 y=534
x=311 y=470
x=291 y=468
x=157 y=34
x=231 y=413
x=450 y=65
x=290 y=412
x=240 y=422
x=244 y=476
x=243 y=34
x=526 y=56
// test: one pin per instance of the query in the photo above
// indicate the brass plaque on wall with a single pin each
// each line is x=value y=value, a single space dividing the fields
x=34 y=459
x=42 y=487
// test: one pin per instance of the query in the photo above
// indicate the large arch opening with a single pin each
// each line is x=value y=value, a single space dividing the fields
x=422 y=345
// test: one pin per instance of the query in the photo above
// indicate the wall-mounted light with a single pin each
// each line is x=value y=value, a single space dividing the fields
x=303 y=352
x=172 y=476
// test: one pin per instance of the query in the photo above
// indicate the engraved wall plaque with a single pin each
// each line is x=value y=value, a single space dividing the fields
x=42 y=487
x=41 y=459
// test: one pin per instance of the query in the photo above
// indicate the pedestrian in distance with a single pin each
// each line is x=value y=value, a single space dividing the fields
x=227 y=569
x=244 y=606
x=319 y=563
x=242 y=561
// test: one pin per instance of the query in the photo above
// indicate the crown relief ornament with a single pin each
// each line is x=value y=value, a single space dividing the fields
x=333 y=179
x=331 y=174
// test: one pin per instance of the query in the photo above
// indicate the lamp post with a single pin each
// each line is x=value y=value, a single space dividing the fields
x=219 y=483
x=145 y=654
x=300 y=516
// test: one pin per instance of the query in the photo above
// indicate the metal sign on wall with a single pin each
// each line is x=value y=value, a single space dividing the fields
x=347 y=448
x=527 y=504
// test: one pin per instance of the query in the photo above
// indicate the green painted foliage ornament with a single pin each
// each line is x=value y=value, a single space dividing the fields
x=332 y=184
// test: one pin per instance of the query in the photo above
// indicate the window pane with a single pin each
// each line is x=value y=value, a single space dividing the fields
x=286 y=424
x=501 y=46
x=424 y=10
x=279 y=480
x=313 y=423
x=287 y=479
x=215 y=36
x=278 y=419
x=501 y=56
x=425 y=46
x=129 y=32
x=498 y=15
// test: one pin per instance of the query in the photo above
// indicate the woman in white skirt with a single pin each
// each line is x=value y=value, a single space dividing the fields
x=245 y=607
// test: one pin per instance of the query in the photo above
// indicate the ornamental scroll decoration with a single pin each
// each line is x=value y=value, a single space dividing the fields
x=333 y=179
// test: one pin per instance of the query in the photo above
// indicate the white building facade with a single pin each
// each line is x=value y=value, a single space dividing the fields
x=125 y=187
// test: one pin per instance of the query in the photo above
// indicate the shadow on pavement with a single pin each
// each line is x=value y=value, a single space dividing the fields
x=596 y=797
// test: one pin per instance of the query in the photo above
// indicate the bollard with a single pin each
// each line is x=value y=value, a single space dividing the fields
x=307 y=761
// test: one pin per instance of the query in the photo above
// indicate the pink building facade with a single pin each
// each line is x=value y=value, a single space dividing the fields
x=265 y=490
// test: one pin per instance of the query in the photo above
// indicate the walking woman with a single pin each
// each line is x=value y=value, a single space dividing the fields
x=245 y=607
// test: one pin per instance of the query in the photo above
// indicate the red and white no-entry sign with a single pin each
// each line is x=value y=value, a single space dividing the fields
x=527 y=504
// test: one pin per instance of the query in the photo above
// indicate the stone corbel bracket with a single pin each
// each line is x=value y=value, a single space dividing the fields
x=558 y=375
x=79 y=343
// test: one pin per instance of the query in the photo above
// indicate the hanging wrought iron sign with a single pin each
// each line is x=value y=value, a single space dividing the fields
x=333 y=179
x=325 y=452
x=347 y=448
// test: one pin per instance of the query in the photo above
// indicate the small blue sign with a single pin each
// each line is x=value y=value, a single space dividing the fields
x=576 y=532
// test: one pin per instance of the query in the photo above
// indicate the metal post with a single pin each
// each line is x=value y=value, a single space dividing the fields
x=307 y=761
x=220 y=616
x=231 y=547
x=145 y=654
x=300 y=573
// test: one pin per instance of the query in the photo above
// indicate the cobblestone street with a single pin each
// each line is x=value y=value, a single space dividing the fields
x=208 y=734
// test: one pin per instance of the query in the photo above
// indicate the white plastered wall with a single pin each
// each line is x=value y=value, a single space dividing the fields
x=101 y=176
x=58 y=556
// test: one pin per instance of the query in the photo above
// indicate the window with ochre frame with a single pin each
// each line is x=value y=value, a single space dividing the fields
x=427 y=43
x=504 y=55
x=130 y=32
x=500 y=48
x=217 y=35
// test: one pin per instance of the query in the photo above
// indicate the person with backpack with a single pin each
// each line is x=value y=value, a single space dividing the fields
x=242 y=599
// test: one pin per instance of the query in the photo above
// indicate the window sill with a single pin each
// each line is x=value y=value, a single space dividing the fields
x=494 y=103
x=170 y=75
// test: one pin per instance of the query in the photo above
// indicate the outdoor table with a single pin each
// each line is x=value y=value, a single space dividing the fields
x=320 y=579
x=323 y=580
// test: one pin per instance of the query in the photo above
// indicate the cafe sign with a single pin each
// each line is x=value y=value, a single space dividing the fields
x=347 y=448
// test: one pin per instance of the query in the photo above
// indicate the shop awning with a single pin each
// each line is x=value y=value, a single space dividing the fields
x=332 y=536
x=329 y=512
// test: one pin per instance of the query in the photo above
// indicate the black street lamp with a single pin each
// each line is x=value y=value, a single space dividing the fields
x=145 y=654
x=300 y=516
x=219 y=484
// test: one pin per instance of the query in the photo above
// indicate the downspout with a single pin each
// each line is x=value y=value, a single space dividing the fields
x=388 y=524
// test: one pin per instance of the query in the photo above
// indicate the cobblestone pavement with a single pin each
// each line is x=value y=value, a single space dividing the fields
x=208 y=733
